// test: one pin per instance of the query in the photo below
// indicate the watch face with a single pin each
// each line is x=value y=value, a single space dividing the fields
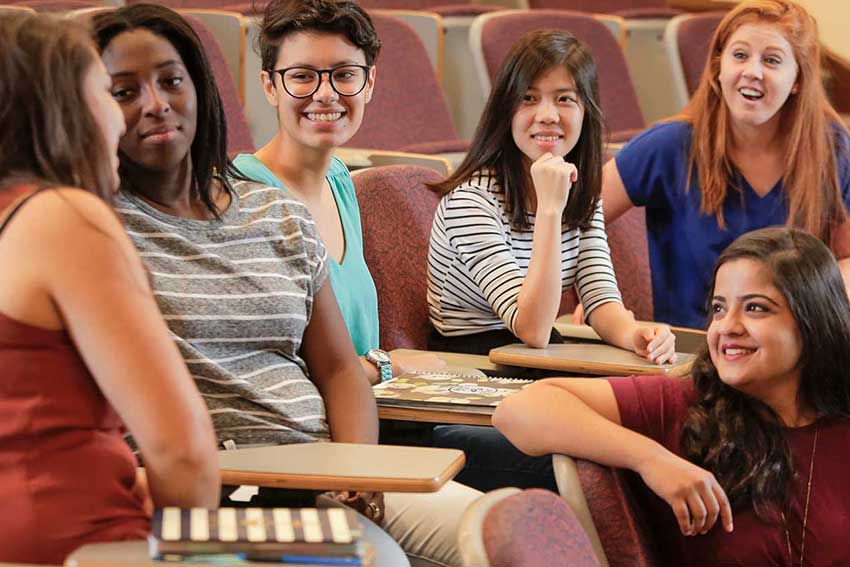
x=379 y=356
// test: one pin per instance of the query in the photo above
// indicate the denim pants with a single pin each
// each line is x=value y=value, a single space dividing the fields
x=492 y=461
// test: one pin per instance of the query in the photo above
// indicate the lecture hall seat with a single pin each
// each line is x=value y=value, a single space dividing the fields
x=528 y=528
x=397 y=210
x=408 y=110
x=623 y=8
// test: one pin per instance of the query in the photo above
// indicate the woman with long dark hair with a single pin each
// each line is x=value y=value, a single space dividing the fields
x=521 y=220
x=83 y=347
x=242 y=279
x=749 y=454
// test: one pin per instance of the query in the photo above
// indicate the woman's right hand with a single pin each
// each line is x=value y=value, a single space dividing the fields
x=695 y=496
x=553 y=178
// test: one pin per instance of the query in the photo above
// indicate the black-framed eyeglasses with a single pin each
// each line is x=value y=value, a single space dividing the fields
x=303 y=82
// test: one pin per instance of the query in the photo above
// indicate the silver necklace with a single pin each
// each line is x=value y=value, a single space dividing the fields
x=805 y=509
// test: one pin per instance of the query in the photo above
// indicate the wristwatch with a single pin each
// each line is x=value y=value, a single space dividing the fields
x=381 y=359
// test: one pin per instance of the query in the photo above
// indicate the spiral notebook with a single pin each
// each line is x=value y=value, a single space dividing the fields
x=438 y=389
x=304 y=536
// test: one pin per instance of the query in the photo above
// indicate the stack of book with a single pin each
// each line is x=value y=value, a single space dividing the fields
x=294 y=536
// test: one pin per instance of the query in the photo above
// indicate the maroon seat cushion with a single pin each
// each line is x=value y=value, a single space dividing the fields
x=239 y=138
x=400 y=114
x=612 y=499
x=694 y=38
x=397 y=211
x=535 y=528
x=597 y=6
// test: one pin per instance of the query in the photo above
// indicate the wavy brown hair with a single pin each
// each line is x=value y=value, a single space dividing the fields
x=48 y=135
x=493 y=145
x=809 y=124
x=740 y=439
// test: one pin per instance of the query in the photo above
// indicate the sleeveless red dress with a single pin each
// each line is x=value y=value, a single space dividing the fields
x=66 y=474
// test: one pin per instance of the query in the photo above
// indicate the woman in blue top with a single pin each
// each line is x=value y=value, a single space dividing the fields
x=758 y=145
x=316 y=115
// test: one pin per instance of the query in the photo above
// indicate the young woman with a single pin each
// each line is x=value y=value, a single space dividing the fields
x=318 y=60
x=521 y=220
x=239 y=271
x=83 y=347
x=758 y=145
x=748 y=454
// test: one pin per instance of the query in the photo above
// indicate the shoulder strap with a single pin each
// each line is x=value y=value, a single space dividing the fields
x=16 y=207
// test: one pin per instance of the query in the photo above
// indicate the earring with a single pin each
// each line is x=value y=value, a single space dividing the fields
x=794 y=89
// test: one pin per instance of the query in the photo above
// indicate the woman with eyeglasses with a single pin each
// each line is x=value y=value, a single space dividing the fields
x=320 y=84
x=240 y=273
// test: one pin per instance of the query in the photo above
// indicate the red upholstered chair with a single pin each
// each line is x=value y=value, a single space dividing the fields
x=492 y=36
x=530 y=528
x=56 y=5
x=609 y=503
x=622 y=8
x=397 y=210
x=442 y=7
x=688 y=38
x=408 y=111
x=630 y=256
x=238 y=135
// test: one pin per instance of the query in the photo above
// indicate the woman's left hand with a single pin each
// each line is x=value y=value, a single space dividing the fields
x=370 y=504
x=656 y=342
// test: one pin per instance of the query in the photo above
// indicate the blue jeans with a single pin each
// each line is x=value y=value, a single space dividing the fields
x=492 y=461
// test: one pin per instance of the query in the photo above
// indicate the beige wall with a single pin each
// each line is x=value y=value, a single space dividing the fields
x=833 y=18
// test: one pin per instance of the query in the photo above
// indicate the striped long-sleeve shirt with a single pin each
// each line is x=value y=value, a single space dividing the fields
x=477 y=261
x=237 y=295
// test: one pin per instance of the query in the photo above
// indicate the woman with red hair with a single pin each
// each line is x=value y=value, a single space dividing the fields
x=758 y=145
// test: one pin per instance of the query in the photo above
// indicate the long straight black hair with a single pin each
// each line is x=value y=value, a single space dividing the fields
x=209 y=148
x=493 y=146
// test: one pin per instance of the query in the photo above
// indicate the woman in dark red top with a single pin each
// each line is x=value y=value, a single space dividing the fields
x=83 y=348
x=749 y=456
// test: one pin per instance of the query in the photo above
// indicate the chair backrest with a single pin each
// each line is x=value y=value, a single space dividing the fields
x=429 y=27
x=492 y=36
x=441 y=7
x=408 y=106
x=238 y=135
x=630 y=256
x=56 y=5
x=687 y=38
x=228 y=27
x=396 y=211
x=596 y=6
x=617 y=515
x=526 y=528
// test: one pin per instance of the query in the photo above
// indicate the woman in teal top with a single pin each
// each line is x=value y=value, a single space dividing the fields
x=352 y=283
x=318 y=73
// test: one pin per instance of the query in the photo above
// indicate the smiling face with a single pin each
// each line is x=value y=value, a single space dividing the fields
x=549 y=117
x=97 y=93
x=753 y=338
x=157 y=97
x=326 y=119
x=758 y=73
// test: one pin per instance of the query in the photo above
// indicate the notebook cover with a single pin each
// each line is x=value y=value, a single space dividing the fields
x=331 y=532
x=438 y=389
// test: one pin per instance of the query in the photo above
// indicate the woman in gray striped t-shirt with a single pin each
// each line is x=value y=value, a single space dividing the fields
x=241 y=276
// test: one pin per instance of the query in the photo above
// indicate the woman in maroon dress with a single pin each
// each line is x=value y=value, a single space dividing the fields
x=747 y=458
x=83 y=348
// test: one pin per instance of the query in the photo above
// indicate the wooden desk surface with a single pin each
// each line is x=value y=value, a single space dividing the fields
x=587 y=358
x=342 y=466
x=689 y=341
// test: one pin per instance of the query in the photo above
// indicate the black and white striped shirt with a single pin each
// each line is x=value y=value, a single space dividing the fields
x=237 y=294
x=477 y=261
